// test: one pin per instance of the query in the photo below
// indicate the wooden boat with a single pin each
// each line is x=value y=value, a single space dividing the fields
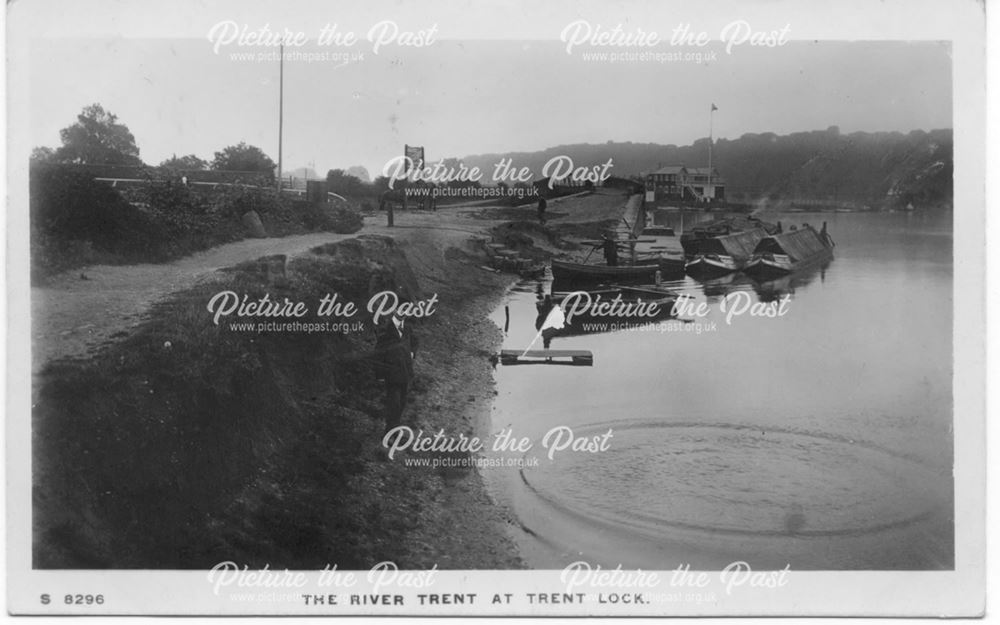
x=692 y=240
x=671 y=267
x=781 y=254
x=717 y=256
x=644 y=270
x=580 y=272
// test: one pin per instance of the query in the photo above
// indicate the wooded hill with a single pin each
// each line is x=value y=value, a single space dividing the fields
x=823 y=167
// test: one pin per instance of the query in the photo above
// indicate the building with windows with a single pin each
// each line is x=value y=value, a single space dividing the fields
x=686 y=184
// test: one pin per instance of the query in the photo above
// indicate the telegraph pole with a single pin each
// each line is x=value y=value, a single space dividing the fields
x=711 y=113
x=281 y=108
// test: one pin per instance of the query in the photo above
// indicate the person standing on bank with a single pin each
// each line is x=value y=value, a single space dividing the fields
x=542 y=205
x=395 y=350
x=610 y=251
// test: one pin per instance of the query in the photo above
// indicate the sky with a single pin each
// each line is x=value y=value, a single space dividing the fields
x=460 y=97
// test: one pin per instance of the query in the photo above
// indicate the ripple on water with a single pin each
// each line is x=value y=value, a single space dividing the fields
x=739 y=479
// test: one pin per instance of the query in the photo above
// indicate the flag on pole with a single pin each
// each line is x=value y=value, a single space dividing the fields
x=714 y=107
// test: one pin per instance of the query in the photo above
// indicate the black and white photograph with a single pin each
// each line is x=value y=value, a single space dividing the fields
x=499 y=309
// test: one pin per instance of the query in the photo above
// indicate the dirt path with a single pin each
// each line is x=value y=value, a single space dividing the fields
x=462 y=526
x=71 y=315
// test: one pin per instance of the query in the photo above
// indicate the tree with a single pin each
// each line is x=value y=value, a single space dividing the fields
x=243 y=157
x=184 y=162
x=380 y=184
x=339 y=181
x=359 y=172
x=97 y=137
x=42 y=154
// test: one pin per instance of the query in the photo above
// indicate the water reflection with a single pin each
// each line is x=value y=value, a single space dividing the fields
x=598 y=309
x=773 y=290
x=824 y=436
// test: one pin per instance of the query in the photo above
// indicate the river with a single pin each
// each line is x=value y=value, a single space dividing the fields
x=820 y=439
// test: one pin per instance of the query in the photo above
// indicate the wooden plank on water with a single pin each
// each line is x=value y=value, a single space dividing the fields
x=547 y=353
x=578 y=357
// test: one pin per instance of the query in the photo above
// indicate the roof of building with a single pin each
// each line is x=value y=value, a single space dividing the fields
x=670 y=169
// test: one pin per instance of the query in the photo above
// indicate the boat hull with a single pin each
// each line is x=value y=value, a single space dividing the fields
x=578 y=272
x=764 y=269
x=789 y=252
x=671 y=268
x=768 y=269
x=706 y=267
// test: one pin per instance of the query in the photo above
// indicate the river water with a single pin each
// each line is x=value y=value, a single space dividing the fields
x=820 y=439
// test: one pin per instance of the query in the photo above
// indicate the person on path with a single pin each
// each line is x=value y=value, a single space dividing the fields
x=395 y=351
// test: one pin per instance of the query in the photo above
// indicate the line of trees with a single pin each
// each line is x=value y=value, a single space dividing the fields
x=98 y=137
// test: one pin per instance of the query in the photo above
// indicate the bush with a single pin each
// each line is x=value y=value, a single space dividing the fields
x=76 y=220
x=71 y=207
x=234 y=201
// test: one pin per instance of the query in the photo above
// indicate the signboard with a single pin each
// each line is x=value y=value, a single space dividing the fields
x=415 y=154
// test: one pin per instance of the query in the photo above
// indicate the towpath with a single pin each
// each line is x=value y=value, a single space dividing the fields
x=78 y=310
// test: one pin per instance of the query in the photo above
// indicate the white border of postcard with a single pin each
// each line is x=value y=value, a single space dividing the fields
x=872 y=593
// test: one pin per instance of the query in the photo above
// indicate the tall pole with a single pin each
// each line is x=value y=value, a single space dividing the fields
x=708 y=188
x=281 y=108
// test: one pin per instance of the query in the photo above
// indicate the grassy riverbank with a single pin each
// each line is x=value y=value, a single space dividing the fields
x=185 y=443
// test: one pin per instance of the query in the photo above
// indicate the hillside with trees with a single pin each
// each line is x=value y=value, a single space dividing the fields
x=864 y=169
